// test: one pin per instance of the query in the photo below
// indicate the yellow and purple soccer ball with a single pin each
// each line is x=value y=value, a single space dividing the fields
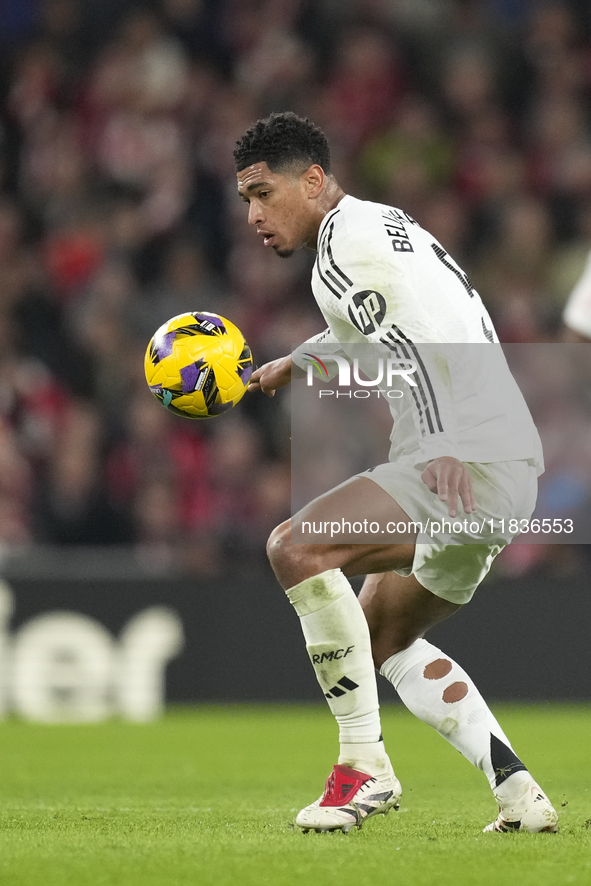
x=198 y=365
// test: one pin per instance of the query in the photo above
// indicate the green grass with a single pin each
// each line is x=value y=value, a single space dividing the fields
x=206 y=796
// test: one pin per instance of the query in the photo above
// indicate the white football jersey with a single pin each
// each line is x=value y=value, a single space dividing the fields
x=379 y=277
x=577 y=313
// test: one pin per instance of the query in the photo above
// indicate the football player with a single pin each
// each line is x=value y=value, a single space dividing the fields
x=382 y=281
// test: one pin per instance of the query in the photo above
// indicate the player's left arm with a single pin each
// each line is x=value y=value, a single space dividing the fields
x=450 y=479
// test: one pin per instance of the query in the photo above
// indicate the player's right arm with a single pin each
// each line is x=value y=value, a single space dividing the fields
x=271 y=376
x=278 y=373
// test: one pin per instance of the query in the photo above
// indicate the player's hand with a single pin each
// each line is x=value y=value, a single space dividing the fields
x=271 y=376
x=449 y=478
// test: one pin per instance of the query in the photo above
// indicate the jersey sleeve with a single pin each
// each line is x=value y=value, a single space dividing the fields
x=304 y=358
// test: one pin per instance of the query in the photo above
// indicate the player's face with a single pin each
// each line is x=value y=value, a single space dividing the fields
x=279 y=207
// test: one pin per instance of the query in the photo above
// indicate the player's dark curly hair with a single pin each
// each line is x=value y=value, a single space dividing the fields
x=281 y=141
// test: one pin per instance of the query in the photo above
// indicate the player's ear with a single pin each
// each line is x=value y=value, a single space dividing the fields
x=314 y=178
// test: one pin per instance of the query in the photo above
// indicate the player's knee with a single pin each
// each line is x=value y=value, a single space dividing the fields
x=278 y=544
x=290 y=562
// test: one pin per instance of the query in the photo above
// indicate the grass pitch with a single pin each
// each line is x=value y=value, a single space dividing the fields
x=206 y=796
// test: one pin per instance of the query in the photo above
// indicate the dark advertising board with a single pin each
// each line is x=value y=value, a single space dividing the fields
x=77 y=647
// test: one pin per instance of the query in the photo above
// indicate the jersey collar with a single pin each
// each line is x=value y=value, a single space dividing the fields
x=329 y=216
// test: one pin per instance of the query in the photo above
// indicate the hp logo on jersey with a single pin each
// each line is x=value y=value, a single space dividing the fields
x=367 y=310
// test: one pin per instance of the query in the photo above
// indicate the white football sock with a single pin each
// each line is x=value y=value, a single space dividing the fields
x=339 y=646
x=440 y=692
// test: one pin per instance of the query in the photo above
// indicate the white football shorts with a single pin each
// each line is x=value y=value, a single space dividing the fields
x=504 y=491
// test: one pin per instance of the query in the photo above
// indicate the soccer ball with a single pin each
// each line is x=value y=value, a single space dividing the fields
x=198 y=365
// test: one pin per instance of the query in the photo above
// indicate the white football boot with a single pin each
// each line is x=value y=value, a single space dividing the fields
x=349 y=798
x=531 y=812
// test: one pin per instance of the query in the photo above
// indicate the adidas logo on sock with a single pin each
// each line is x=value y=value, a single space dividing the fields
x=337 y=691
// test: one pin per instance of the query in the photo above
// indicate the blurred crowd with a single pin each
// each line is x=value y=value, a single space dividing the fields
x=118 y=210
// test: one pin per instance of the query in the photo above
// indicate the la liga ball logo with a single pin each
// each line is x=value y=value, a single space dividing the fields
x=198 y=365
